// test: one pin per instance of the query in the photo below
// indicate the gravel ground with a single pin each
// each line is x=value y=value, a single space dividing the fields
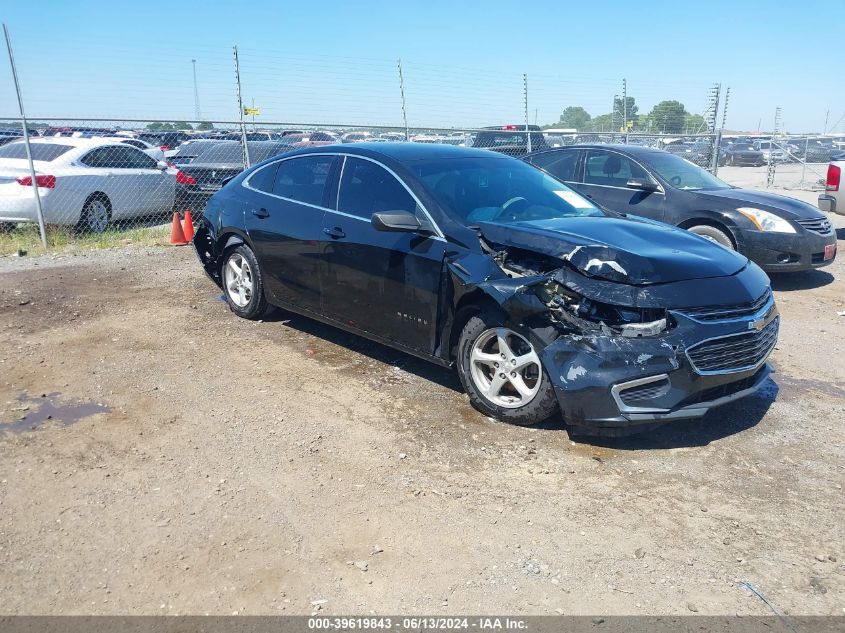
x=159 y=455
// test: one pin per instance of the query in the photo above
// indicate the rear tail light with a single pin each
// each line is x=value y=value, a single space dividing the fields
x=47 y=182
x=185 y=179
x=164 y=148
x=834 y=172
x=510 y=127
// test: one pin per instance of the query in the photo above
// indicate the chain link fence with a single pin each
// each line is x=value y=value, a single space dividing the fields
x=122 y=180
x=112 y=180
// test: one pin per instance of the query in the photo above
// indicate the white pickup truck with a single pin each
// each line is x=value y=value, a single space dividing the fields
x=833 y=198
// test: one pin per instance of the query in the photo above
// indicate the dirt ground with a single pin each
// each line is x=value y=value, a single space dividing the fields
x=160 y=455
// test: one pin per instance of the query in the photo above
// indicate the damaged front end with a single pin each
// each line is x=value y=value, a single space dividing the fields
x=622 y=351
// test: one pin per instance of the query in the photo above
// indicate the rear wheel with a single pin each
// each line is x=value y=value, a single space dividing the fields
x=96 y=215
x=713 y=234
x=243 y=283
x=502 y=372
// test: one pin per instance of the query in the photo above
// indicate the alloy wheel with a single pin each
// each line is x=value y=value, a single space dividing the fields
x=96 y=216
x=505 y=368
x=239 y=282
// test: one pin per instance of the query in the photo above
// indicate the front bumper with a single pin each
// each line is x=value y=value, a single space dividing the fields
x=786 y=252
x=612 y=383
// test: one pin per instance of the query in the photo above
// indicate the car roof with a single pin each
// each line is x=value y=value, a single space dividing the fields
x=404 y=152
x=76 y=141
x=637 y=150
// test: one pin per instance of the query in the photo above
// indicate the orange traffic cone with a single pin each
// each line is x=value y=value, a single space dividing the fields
x=177 y=236
x=189 y=226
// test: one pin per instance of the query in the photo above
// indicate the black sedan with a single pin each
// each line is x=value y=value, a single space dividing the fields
x=780 y=234
x=212 y=165
x=741 y=154
x=466 y=257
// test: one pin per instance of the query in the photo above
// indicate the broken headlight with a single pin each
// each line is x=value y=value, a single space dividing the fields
x=586 y=314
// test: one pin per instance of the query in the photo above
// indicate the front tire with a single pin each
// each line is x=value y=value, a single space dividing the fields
x=243 y=283
x=713 y=234
x=502 y=373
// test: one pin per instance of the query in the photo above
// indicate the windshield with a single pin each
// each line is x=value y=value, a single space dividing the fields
x=499 y=190
x=682 y=174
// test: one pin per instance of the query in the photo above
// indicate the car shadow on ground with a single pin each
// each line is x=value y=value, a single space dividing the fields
x=440 y=375
x=806 y=280
x=719 y=423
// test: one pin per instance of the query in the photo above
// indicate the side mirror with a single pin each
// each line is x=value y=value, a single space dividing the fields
x=397 y=221
x=162 y=165
x=641 y=184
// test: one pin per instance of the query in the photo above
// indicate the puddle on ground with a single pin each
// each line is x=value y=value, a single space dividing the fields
x=33 y=413
x=808 y=384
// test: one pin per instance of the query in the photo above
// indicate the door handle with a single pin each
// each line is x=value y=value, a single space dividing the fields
x=261 y=213
x=335 y=232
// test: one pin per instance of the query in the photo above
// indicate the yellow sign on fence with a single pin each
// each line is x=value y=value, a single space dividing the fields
x=252 y=111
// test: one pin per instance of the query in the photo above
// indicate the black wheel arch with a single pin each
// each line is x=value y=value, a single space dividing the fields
x=717 y=221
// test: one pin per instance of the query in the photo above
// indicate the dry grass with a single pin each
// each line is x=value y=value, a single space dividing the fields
x=25 y=237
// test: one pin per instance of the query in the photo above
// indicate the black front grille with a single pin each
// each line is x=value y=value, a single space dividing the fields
x=714 y=393
x=822 y=226
x=734 y=353
x=649 y=391
x=722 y=313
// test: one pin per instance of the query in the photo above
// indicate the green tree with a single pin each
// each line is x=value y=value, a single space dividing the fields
x=694 y=123
x=602 y=123
x=575 y=117
x=205 y=125
x=621 y=112
x=668 y=116
x=182 y=125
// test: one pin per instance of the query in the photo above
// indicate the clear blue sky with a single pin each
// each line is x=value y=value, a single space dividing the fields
x=335 y=62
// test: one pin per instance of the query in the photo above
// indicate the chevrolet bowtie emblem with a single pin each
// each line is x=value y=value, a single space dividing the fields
x=214 y=174
x=756 y=324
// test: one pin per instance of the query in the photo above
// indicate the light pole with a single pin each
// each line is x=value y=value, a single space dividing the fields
x=197 y=113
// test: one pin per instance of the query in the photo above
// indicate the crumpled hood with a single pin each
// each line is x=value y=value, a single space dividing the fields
x=637 y=252
x=785 y=207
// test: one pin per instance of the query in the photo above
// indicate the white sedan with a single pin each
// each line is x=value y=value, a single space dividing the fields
x=83 y=182
x=150 y=150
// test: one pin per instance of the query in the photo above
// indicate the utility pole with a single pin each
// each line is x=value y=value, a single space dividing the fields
x=826 y=117
x=197 y=112
x=525 y=98
x=613 y=114
x=39 y=210
x=241 y=110
x=625 y=108
x=725 y=107
x=402 y=94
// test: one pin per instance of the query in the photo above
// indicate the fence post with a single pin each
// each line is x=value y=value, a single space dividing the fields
x=714 y=159
x=402 y=94
x=804 y=162
x=38 y=208
x=244 y=146
x=525 y=99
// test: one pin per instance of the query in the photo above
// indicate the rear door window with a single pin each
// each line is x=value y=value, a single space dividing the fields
x=304 y=179
x=264 y=179
x=367 y=188
x=104 y=157
x=611 y=169
x=561 y=165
